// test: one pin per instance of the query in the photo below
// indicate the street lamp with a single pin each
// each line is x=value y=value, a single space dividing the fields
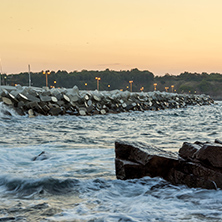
x=55 y=82
x=155 y=84
x=46 y=73
x=166 y=88
x=98 y=79
x=141 y=89
x=131 y=85
x=108 y=86
x=86 y=85
x=172 y=86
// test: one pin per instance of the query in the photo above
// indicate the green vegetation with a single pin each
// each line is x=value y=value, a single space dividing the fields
x=184 y=83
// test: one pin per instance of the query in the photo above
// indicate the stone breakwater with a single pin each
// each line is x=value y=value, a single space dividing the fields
x=195 y=165
x=37 y=101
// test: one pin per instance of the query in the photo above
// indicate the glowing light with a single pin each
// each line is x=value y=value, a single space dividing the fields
x=155 y=84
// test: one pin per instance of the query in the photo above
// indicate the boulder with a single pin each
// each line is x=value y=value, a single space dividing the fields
x=210 y=154
x=188 y=149
x=196 y=168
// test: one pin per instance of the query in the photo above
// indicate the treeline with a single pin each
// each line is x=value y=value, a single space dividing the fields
x=109 y=80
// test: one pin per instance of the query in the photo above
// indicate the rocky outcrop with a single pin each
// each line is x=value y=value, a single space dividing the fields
x=38 y=101
x=195 y=165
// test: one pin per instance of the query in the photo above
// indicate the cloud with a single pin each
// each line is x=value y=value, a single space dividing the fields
x=110 y=64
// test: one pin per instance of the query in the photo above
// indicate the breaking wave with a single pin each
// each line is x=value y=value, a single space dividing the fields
x=7 y=112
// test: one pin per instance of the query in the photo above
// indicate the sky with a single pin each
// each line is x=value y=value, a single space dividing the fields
x=162 y=36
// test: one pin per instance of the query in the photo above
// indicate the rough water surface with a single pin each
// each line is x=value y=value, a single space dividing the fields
x=77 y=180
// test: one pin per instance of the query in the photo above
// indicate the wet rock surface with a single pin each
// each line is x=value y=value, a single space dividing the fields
x=37 y=101
x=196 y=164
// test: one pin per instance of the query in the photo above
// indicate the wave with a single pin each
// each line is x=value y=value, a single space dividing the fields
x=29 y=187
x=146 y=199
x=6 y=111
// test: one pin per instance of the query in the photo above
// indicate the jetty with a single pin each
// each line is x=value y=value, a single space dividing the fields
x=33 y=101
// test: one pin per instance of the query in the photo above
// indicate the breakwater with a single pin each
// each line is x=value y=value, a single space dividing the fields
x=40 y=101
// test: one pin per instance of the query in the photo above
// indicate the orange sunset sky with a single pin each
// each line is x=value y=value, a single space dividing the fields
x=162 y=36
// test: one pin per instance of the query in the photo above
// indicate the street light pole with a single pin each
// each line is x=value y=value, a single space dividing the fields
x=46 y=73
x=131 y=85
x=98 y=79
x=29 y=76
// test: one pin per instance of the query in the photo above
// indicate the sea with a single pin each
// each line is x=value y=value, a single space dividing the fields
x=76 y=181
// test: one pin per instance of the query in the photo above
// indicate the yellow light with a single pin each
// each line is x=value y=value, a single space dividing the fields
x=55 y=82
x=166 y=88
x=108 y=85
x=155 y=84
x=85 y=84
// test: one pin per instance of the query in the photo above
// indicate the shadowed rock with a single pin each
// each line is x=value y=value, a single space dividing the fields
x=210 y=154
x=196 y=165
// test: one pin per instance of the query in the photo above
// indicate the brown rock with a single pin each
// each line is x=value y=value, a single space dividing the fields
x=210 y=154
x=188 y=149
x=136 y=160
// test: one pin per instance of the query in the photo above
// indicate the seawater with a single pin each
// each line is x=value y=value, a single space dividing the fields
x=77 y=182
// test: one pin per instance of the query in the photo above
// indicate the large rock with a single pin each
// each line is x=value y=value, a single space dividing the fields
x=210 y=154
x=195 y=169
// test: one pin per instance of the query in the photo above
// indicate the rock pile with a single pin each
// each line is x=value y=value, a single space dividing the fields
x=196 y=165
x=38 y=101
